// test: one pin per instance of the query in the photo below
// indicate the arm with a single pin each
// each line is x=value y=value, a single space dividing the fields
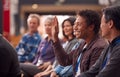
x=58 y=69
x=21 y=49
x=5 y=62
x=95 y=55
x=63 y=58
x=27 y=46
x=113 y=66
x=94 y=69
x=34 y=47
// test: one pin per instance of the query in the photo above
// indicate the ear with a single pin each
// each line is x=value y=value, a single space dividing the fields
x=91 y=27
x=110 y=23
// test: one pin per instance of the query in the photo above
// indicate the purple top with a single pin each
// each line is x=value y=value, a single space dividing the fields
x=45 y=52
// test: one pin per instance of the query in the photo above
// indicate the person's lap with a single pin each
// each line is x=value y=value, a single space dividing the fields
x=29 y=69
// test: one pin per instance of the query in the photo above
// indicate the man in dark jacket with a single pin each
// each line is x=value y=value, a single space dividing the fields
x=108 y=65
x=9 y=66
x=87 y=27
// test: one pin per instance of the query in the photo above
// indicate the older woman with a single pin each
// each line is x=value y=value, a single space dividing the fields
x=67 y=27
x=45 y=55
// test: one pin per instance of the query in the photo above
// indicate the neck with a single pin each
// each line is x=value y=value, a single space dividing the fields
x=90 y=38
x=70 y=37
x=31 y=33
x=49 y=37
x=114 y=34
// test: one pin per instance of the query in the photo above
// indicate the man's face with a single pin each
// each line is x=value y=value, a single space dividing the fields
x=80 y=28
x=32 y=24
x=105 y=30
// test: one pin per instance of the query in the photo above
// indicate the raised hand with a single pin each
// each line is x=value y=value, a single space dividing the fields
x=55 y=29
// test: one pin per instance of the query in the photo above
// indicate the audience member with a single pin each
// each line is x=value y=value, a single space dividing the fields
x=67 y=30
x=87 y=27
x=28 y=45
x=45 y=55
x=9 y=64
x=108 y=64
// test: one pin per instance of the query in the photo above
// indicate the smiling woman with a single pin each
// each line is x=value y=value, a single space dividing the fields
x=43 y=18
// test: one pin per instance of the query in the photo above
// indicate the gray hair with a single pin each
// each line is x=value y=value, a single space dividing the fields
x=34 y=16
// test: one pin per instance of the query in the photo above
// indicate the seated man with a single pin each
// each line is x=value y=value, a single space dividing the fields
x=27 y=48
x=66 y=71
x=87 y=26
x=108 y=64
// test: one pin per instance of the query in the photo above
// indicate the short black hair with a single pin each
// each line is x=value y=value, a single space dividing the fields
x=92 y=18
x=112 y=13
x=71 y=20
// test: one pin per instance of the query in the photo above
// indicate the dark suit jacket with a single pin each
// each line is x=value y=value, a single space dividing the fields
x=112 y=68
x=89 y=55
x=9 y=66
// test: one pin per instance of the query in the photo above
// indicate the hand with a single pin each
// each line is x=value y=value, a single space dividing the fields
x=38 y=75
x=55 y=29
x=54 y=74
x=44 y=65
x=28 y=63
x=44 y=73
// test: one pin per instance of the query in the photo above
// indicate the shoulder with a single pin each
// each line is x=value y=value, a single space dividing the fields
x=74 y=41
x=5 y=45
x=44 y=40
x=25 y=35
x=116 y=49
x=100 y=42
x=36 y=36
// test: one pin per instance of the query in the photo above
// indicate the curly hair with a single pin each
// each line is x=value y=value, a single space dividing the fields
x=92 y=18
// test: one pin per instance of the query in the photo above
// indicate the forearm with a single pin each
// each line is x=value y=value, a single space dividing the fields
x=62 y=57
x=58 y=68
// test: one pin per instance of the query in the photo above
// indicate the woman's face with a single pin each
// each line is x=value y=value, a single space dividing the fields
x=48 y=27
x=67 y=28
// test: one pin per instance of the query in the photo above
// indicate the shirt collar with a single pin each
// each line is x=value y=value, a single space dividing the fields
x=34 y=34
x=115 y=41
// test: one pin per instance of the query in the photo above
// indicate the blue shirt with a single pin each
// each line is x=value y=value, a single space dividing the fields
x=28 y=46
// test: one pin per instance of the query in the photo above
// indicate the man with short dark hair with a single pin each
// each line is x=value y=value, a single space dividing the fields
x=108 y=65
x=86 y=27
